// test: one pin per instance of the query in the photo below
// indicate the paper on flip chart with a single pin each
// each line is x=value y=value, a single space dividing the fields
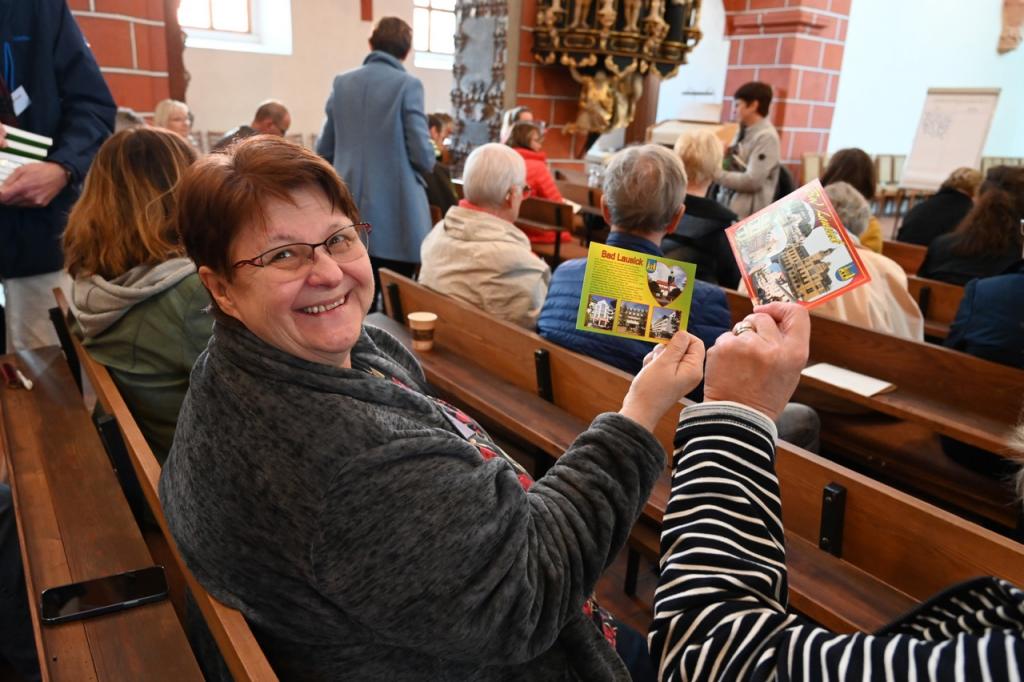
x=861 y=384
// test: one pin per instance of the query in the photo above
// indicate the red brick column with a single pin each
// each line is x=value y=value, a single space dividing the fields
x=551 y=93
x=796 y=46
x=129 y=41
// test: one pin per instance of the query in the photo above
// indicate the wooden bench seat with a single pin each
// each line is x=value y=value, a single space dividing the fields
x=235 y=640
x=518 y=413
x=907 y=256
x=955 y=394
x=496 y=352
x=74 y=524
x=939 y=303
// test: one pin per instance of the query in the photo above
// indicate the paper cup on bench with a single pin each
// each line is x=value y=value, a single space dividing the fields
x=422 y=326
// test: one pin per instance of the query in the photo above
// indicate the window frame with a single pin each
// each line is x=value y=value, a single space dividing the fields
x=270 y=23
x=430 y=59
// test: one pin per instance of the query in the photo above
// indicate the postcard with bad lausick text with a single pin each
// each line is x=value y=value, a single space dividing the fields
x=796 y=250
x=634 y=295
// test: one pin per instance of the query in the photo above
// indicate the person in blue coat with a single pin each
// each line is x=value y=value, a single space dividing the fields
x=376 y=137
x=644 y=189
x=50 y=85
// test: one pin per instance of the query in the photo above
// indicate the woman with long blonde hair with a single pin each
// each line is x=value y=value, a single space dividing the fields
x=138 y=302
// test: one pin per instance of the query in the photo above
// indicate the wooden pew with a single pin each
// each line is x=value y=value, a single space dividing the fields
x=549 y=216
x=938 y=301
x=74 y=524
x=895 y=549
x=242 y=654
x=938 y=390
x=908 y=256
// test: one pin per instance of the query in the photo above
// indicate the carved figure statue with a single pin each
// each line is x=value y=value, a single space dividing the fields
x=580 y=10
x=549 y=16
x=629 y=86
x=655 y=26
x=606 y=15
x=596 y=103
x=632 y=15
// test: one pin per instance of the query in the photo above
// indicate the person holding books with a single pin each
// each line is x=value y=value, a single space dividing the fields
x=751 y=170
x=721 y=610
x=50 y=87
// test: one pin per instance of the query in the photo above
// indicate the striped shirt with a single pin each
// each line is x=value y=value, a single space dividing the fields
x=721 y=609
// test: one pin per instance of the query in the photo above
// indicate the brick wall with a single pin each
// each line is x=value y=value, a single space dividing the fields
x=551 y=93
x=797 y=47
x=128 y=39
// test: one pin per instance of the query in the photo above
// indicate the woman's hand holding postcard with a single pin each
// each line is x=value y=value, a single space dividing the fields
x=796 y=250
x=634 y=295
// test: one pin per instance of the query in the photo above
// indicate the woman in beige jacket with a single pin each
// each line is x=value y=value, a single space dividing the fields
x=884 y=304
x=476 y=254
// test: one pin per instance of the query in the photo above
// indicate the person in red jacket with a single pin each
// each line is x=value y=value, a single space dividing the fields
x=527 y=139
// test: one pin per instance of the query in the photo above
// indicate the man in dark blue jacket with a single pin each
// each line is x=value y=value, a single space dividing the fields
x=644 y=188
x=53 y=87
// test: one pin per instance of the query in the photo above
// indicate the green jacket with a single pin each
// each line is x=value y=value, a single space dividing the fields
x=150 y=346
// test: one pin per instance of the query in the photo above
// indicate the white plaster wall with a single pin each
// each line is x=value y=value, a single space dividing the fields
x=703 y=73
x=896 y=50
x=327 y=38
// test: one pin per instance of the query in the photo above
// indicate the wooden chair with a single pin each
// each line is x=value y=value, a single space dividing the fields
x=238 y=646
x=895 y=549
x=908 y=256
x=939 y=303
x=74 y=525
x=938 y=391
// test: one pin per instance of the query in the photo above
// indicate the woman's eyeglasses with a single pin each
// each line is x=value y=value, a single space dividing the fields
x=344 y=246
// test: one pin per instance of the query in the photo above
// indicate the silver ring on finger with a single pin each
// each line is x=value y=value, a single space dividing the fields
x=741 y=327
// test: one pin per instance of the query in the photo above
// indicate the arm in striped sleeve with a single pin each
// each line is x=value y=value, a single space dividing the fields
x=721 y=607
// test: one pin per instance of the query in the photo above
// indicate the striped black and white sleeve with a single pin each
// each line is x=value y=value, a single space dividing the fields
x=721 y=608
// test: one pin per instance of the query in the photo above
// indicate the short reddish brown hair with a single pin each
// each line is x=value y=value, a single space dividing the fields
x=223 y=193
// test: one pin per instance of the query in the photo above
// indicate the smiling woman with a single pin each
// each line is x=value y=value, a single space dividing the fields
x=371 y=530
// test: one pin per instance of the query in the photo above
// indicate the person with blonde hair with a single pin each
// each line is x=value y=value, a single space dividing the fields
x=700 y=236
x=139 y=305
x=174 y=116
x=941 y=213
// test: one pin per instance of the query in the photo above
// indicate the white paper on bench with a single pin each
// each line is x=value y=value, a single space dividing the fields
x=861 y=384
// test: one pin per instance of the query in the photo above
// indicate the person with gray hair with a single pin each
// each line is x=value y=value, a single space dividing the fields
x=644 y=187
x=476 y=254
x=884 y=304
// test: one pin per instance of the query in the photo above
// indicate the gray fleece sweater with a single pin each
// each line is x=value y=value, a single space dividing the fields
x=364 y=539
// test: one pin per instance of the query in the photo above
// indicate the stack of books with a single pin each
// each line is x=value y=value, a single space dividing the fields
x=22 y=147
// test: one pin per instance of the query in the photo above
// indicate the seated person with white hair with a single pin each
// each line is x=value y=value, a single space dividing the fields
x=700 y=237
x=884 y=304
x=643 y=201
x=476 y=254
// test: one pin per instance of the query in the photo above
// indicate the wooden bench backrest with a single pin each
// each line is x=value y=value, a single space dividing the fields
x=909 y=544
x=908 y=256
x=938 y=301
x=941 y=378
x=546 y=212
x=234 y=638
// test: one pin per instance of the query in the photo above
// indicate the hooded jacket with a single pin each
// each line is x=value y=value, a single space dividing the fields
x=44 y=52
x=479 y=258
x=147 y=326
